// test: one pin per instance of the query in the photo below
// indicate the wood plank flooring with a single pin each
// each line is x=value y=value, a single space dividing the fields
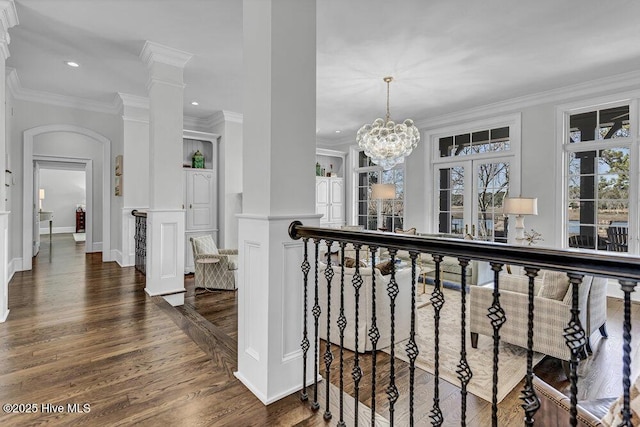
x=82 y=331
x=600 y=375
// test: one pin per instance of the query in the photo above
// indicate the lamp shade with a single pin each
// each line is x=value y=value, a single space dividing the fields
x=41 y=194
x=521 y=206
x=383 y=191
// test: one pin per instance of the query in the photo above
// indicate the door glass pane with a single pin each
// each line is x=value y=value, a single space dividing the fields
x=451 y=203
x=598 y=208
x=492 y=186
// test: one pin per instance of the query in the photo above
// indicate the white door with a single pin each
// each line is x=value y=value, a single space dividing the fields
x=470 y=198
x=201 y=193
x=322 y=198
x=337 y=200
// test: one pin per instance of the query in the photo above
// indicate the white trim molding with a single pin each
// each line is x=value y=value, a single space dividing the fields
x=155 y=52
x=27 y=195
x=30 y=95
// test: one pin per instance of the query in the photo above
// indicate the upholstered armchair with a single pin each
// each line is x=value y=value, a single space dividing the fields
x=383 y=310
x=214 y=268
x=552 y=311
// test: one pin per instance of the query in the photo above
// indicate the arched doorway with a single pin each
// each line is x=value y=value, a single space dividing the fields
x=28 y=189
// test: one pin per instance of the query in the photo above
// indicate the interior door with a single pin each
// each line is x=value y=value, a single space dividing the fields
x=470 y=198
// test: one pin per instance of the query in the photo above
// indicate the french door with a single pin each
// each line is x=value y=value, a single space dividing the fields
x=470 y=197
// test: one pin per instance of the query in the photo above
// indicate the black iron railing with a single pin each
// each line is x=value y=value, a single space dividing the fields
x=574 y=263
x=140 y=238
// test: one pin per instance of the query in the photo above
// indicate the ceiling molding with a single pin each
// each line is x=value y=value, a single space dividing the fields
x=196 y=123
x=133 y=107
x=8 y=15
x=23 y=94
x=231 y=116
x=154 y=52
x=580 y=90
x=220 y=117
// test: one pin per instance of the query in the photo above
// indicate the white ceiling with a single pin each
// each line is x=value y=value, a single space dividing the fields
x=446 y=56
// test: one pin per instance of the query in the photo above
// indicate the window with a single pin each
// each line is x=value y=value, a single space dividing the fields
x=392 y=211
x=473 y=172
x=598 y=150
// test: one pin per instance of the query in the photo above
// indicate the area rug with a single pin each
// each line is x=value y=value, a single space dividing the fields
x=512 y=366
x=79 y=237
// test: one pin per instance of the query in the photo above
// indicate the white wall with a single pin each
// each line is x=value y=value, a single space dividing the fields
x=68 y=144
x=230 y=179
x=64 y=190
x=28 y=115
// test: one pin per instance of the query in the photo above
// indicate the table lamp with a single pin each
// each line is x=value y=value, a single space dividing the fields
x=41 y=197
x=520 y=206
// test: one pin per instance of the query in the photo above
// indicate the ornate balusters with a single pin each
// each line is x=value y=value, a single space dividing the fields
x=463 y=371
x=342 y=324
x=357 y=371
x=627 y=286
x=328 y=355
x=575 y=337
x=530 y=401
x=316 y=316
x=437 y=300
x=412 y=347
x=374 y=335
x=306 y=267
x=392 y=291
x=497 y=317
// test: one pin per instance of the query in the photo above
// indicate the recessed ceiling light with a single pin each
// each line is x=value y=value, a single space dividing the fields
x=195 y=103
x=337 y=131
x=72 y=64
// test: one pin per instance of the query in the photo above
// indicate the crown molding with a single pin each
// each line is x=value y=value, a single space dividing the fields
x=8 y=19
x=580 y=90
x=154 y=52
x=132 y=107
x=196 y=123
x=221 y=117
x=22 y=94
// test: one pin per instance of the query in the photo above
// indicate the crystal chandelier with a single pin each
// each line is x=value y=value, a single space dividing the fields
x=385 y=142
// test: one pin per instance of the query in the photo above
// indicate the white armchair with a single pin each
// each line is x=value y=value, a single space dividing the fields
x=383 y=310
x=214 y=268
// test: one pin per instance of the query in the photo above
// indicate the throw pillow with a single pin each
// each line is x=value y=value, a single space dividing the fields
x=351 y=262
x=614 y=416
x=411 y=231
x=554 y=285
x=205 y=245
x=385 y=267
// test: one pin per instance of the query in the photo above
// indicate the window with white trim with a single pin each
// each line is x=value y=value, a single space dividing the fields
x=366 y=210
x=599 y=148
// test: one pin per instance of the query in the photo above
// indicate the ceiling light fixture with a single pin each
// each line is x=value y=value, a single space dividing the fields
x=195 y=103
x=72 y=64
x=338 y=131
x=385 y=142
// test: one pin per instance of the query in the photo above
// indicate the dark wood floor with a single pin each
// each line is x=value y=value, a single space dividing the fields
x=600 y=375
x=82 y=331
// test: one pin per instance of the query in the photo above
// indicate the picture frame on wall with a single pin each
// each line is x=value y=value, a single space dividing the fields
x=118 y=186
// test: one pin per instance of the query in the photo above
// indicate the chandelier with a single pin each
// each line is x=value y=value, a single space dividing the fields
x=385 y=142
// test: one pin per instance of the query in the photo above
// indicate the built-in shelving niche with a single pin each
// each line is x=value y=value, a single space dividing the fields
x=206 y=148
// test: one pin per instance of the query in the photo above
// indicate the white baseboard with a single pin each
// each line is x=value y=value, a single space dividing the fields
x=14 y=265
x=58 y=230
x=116 y=255
x=97 y=247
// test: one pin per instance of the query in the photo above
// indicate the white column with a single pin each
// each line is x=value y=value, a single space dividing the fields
x=8 y=19
x=278 y=187
x=135 y=127
x=165 y=220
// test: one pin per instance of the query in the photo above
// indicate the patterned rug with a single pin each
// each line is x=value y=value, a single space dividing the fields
x=512 y=366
